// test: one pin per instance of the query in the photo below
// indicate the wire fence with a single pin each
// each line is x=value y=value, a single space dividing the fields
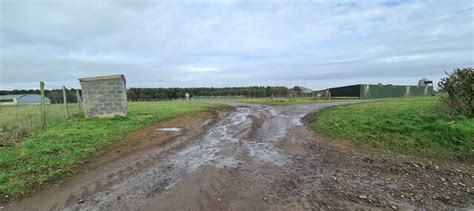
x=19 y=120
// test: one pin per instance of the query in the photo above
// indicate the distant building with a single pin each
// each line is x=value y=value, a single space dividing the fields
x=425 y=82
x=22 y=99
x=369 y=91
x=104 y=96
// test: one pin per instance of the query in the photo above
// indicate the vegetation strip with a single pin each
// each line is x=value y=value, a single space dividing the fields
x=53 y=153
x=286 y=101
x=413 y=125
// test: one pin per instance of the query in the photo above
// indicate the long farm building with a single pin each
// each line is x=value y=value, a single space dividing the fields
x=368 y=91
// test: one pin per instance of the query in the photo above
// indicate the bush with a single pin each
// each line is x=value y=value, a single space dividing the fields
x=458 y=89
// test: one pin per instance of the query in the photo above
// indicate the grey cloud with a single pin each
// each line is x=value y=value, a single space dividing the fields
x=206 y=43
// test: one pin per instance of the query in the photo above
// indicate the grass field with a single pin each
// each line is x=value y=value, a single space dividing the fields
x=415 y=125
x=17 y=114
x=52 y=153
x=18 y=121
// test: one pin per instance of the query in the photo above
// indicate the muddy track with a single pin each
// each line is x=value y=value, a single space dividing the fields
x=253 y=158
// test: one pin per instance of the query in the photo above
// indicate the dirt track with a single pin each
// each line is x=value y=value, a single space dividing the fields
x=252 y=158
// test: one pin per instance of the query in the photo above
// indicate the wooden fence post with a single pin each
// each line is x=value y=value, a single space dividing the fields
x=43 y=106
x=65 y=102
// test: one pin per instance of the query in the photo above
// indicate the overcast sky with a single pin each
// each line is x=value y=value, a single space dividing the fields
x=316 y=44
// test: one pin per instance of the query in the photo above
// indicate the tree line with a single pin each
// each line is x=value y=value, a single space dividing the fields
x=147 y=94
x=55 y=95
x=153 y=94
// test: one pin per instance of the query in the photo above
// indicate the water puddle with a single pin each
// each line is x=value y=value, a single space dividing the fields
x=171 y=129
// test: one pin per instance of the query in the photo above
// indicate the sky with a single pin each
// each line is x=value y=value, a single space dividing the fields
x=316 y=44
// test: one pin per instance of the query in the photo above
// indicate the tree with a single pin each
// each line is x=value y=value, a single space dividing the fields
x=144 y=97
x=131 y=95
x=152 y=94
x=458 y=91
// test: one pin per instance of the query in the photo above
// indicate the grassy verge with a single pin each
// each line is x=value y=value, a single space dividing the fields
x=415 y=125
x=52 y=153
x=285 y=101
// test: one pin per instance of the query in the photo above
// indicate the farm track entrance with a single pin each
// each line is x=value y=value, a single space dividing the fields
x=248 y=158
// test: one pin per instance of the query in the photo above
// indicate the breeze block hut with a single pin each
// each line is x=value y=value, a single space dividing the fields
x=369 y=91
x=104 y=96
x=23 y=99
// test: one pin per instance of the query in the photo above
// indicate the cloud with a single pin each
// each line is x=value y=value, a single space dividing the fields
x=198 y=69
x=232 y=43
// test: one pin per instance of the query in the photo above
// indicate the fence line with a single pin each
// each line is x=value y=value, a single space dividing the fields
x=18 y=121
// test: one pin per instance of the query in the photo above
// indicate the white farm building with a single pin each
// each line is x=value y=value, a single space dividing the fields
x=23 y=99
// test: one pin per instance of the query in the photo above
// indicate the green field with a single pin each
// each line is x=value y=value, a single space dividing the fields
x=26 y=114
x=52 y=153
x=414 y=125
x=18 y=121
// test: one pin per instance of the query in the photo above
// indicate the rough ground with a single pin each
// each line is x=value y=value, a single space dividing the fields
x=253 y=158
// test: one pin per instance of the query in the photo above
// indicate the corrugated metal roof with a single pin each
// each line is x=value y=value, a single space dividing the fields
x=7 y=97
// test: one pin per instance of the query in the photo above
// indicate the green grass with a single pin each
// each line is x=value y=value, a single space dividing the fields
x=53 y=153
x=24 y=115
x=285 y=101
x=18 y=121
x=414 y=125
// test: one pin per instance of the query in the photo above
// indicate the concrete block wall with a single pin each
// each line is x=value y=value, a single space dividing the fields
x=104 y=96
